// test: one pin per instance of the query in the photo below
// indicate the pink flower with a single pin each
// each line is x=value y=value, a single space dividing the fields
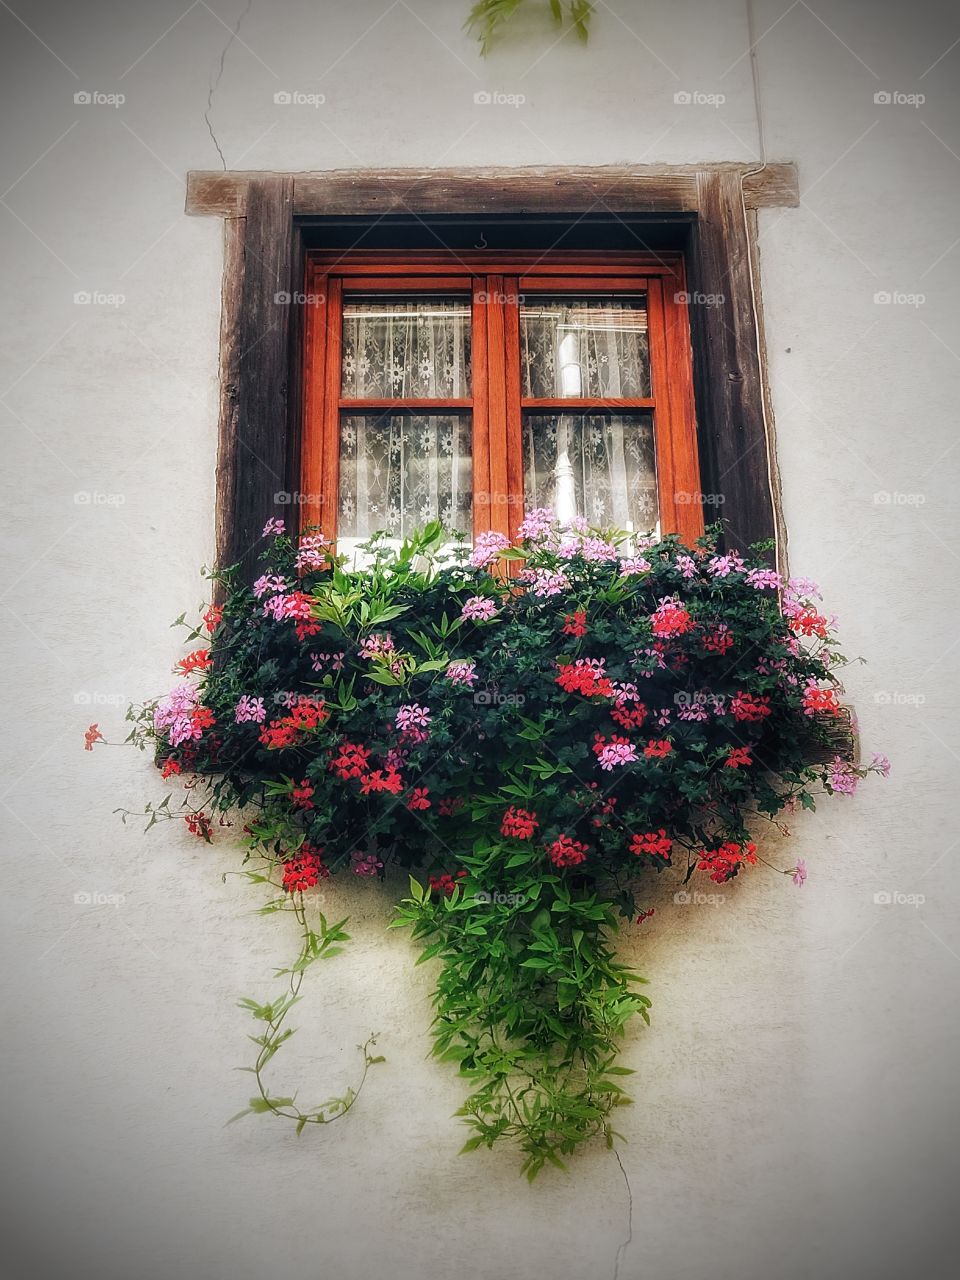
x=616 y=753
x=377 y=647
x=536 y=524
x=412 y=721
x=462 y=673
x=546 y=582
x=269 y=582
x=332 y=660
x=273 y=527
x=597 y=551
x=687 y=566
x=312 y=553
x=479 y=609
x=173 y=715
x=842 y=778
x=365 y=864
x=799 y=872
x=802 y=589
x=880 y=764
x=761 y=578
x=634 y=565
x=487 y=547
x=722 y=566
x=249 y=710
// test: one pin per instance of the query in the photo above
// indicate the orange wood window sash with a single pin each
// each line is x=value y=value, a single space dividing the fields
x=497 y=404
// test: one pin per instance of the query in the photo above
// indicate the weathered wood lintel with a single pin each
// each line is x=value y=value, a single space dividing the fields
x=627 y=189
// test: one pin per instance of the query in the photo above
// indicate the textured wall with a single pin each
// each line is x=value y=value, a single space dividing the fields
x=795 y=1096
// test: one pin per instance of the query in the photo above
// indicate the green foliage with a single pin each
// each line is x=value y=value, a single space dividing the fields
x=488 y=17
x=685 y=662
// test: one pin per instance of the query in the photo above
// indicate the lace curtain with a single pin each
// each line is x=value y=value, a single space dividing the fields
x=399 y=349
x=596 y=348
x=601 y=466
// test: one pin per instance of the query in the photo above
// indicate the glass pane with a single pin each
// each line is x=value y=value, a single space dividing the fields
x=600 y=466
x=591 y=347
x=400 y=470
x=413 y=347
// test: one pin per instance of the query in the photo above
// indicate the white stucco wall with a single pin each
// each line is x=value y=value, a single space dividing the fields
x=796 y=1094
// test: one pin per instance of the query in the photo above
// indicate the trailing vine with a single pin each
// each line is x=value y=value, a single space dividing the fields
x=488 y=17
x=532 y=730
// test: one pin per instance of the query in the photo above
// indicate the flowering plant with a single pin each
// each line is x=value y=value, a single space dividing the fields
x=533 y=729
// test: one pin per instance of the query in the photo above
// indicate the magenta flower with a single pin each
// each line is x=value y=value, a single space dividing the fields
x=462 y=673
x=173 y=714
x=799 y=872
x=249 y=710
x=487 y=547
x=536 y=524
x=843 y=779
x=880 y=764
x=479 y=609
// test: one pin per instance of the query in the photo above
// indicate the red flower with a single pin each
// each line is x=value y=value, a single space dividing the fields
x=744 y=706
x=446 y=883
x=202 y=718
x=302 y=796
x=564 y=852
x=645 y=915
x=380 y=780
x=351 y=761
x=657 y=843
x=670 y=619
x=725 y=862
x=738 y=758
x=575 y=624
x=306 y=714
x=196 y=661
x=91 y=736
x=198 y=824
x=213 y=617
x=657 y=749
x=418 y=800
x=807 y=622
x=170 y=767
x=719 y=640
x=820 y=700
x=518 y=824
x=450 y=805
x=303 y=870
x=586 y=677
x=630 y=715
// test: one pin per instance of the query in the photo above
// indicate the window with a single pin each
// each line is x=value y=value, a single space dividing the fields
x=471 y=388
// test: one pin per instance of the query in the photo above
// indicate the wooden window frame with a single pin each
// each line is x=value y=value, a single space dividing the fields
x=495 y=283
x=267 y=217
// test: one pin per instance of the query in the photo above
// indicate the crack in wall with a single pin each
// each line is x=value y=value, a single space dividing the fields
x=626 y=1243
x=215 y=84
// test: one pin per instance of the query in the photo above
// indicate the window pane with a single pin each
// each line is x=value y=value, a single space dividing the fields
x=600 y=466
x=400 y=470
x=590 y=347
x=414 y=347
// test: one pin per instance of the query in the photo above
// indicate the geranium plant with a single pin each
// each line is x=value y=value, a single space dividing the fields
x=532 y=731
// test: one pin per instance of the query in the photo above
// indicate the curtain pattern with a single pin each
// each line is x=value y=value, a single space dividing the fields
x=601 y=466
x=398 y=471
x=396 y=349
x=591 y=347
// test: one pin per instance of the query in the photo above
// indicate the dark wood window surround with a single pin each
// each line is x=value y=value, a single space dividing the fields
x=689 y=227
